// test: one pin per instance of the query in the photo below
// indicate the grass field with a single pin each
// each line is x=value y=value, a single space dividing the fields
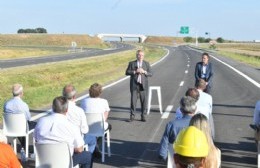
x=164 y=40
x=43 y=82
x=28 y=45
x=248 y=53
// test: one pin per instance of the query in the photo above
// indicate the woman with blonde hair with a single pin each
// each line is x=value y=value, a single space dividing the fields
x=213 y=160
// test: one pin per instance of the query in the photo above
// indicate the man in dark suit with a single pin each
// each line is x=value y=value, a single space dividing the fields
x=139 y=71
x=204 y=71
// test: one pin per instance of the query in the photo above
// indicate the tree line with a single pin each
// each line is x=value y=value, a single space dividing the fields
x=202 y=40
x=37 y=30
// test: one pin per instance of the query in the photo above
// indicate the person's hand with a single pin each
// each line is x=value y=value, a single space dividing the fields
x=206 y=83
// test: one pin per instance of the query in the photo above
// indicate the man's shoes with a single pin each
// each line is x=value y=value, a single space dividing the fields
x=143 y=118
x=132 y=117
x=255 y=127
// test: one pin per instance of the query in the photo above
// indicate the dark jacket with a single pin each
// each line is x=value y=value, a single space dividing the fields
x=132 y=66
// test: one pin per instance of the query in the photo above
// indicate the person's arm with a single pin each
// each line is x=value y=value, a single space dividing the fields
x=83 y=104
x=83 y=126
x=78 y=140
x=197 y=72
x=130 y=70
x=79 y=149
x=163 y=150
x=256 y=113
x=27 y=112
x=107 y=109
x=148 y=72
x=209 y=79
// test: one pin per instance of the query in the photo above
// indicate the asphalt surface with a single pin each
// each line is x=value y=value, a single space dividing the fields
x=135 y=144
x=118 y=47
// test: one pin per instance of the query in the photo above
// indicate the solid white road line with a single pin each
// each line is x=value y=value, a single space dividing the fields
x=167 y=112
x=182 y=82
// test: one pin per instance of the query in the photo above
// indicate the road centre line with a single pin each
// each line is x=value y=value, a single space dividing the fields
x=182 y=82
x=186 y=71
x=167 y=112
x=236 y=70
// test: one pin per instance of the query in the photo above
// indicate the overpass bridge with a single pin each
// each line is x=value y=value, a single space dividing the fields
x=140 y=37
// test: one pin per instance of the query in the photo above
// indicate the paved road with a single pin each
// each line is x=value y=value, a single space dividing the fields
x=135 y=144
x=118 y=47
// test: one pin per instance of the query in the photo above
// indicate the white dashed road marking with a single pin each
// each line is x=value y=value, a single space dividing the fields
x=167 y=112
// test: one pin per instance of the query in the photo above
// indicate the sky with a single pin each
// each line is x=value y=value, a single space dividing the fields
x=229 y=19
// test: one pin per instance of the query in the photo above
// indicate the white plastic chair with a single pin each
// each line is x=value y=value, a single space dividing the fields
x=96 y=124
x=15 y=125
x=53 y=156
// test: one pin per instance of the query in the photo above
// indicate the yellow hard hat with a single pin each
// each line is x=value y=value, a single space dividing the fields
x=191 y=142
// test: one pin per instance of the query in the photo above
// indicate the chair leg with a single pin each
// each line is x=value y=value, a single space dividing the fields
x=27 y=146
x=103 y=148
x=108 y=143
x=15 y=147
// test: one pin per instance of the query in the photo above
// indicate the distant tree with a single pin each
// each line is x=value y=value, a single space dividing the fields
x=207 y=40
x=201 y=39
x=37 y=30
x=187 y=39
x=220 y=40
x=41 y=30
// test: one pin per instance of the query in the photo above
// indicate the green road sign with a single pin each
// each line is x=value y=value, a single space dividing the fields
x=184 y=30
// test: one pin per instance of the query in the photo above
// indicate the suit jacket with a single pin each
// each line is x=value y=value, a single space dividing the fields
x=132 y=66
x=209 y=72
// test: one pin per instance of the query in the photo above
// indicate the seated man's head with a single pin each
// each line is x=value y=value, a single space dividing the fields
x=60 y=105
x=188 y=105
x=193 y=92
x=17 y=90
x=191 y=148
x=69 y=92
x=201 y=84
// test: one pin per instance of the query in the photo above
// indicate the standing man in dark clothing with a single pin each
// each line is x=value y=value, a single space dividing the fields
x=204 y=71
x=139 y=71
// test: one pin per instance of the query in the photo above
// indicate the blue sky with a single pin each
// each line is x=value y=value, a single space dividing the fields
x=229 y=19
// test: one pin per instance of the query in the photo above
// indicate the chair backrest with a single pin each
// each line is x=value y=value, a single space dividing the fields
x=15 y=124
x=53 y=156
x=170 y=161
x=95 y=123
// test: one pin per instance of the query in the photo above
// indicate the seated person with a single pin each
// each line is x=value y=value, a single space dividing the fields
x=55 y=128
x=191 y=148
x=7 y=155
x=256 y=120
x=17 y=105
x=95 y=104
x=188 y=108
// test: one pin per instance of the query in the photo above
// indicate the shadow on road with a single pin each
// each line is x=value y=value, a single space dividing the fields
x=238 y=154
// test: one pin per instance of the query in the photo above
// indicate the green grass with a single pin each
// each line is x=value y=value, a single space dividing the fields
x=44 y=82
x=247 y=59
x=247 y=53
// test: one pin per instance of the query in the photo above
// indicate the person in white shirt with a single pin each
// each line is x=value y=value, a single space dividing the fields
x=95 y=104
x=16 y=105
x=56 y=128
x=77 y=116
x=205 y=99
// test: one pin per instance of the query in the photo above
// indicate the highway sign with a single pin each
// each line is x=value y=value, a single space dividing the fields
x=184 y=30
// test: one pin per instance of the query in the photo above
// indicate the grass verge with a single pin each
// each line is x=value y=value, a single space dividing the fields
x=44 y=82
